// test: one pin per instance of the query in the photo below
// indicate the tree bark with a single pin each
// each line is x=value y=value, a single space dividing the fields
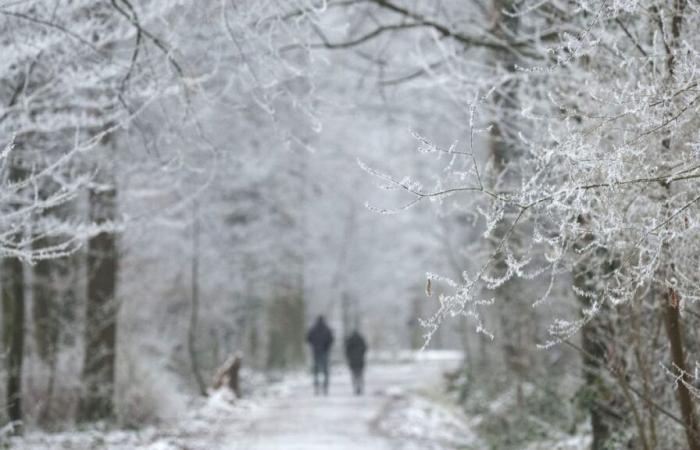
x=13 y=309
x=229 y=375
x=13 y=326
x=46 y=322
x=45 y=303
x=592 y=370
x=286 y=331
x=675 y=339
x=53 y=301
x=194 y=310
x=670 y=299
x=515 y=317
x=97 y=402
x=594 y=351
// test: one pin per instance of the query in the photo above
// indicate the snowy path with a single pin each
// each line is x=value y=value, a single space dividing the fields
x=396 y=413
x=342 y=420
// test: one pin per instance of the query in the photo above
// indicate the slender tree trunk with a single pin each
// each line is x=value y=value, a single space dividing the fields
x=53 y=298
x=13 y=314
x=514 y=317
x=593 y=357
x=594 y=350
x=13 y=326
x=670 y=298
x=194 y=310
x=286 y=330
x=45 y=317
x=675 y=339
x=45 y=414
x=44 y=305
x=97 y=402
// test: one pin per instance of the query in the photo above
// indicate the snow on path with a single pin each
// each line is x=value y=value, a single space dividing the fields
x=342 y=421
x=390 y=416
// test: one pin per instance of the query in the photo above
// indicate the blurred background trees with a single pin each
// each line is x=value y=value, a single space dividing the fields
x=181 y=181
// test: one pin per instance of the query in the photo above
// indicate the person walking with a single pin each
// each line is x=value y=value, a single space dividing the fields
x=355 y=349
x=320 y=338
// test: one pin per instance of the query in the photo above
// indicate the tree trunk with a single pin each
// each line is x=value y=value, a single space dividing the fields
x=44 y=306
x=13 y=327
x=593 y=356
x=194 y=310
x=594 y=336
x=13 y=308
x=101 y=318
x=229 y=375
x=46 y=322
x=675 y=339
x=514 y=316
x=670 y=298
x=286 y=331
x=53 y=302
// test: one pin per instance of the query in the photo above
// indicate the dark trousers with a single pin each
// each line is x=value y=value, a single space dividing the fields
x=321 y=369
x=358 y=379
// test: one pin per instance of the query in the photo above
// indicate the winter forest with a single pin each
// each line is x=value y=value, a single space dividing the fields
x=350 y=224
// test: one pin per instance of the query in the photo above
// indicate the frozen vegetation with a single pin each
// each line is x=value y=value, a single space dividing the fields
x=405 y=408
x=188 y=187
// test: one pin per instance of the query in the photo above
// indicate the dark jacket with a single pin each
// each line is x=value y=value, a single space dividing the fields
x=355 y=348
x=320 y=337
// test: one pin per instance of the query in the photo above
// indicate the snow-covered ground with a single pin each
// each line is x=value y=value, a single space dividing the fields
x=402 y=409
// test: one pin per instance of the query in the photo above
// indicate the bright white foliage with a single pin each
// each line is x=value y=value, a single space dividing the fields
x=601 y=124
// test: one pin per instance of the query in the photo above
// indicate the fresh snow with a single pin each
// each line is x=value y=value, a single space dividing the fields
x=401 y=409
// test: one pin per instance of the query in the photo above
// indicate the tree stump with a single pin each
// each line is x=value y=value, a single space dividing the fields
x=228 y=375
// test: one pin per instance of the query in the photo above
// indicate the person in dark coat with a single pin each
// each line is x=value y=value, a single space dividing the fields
x=355 y=349
x=320 y=338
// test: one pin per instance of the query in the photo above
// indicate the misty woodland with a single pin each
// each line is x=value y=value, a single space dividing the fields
x=350 y=224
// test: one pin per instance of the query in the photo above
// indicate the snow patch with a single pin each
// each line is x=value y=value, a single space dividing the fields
x=421 y=423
